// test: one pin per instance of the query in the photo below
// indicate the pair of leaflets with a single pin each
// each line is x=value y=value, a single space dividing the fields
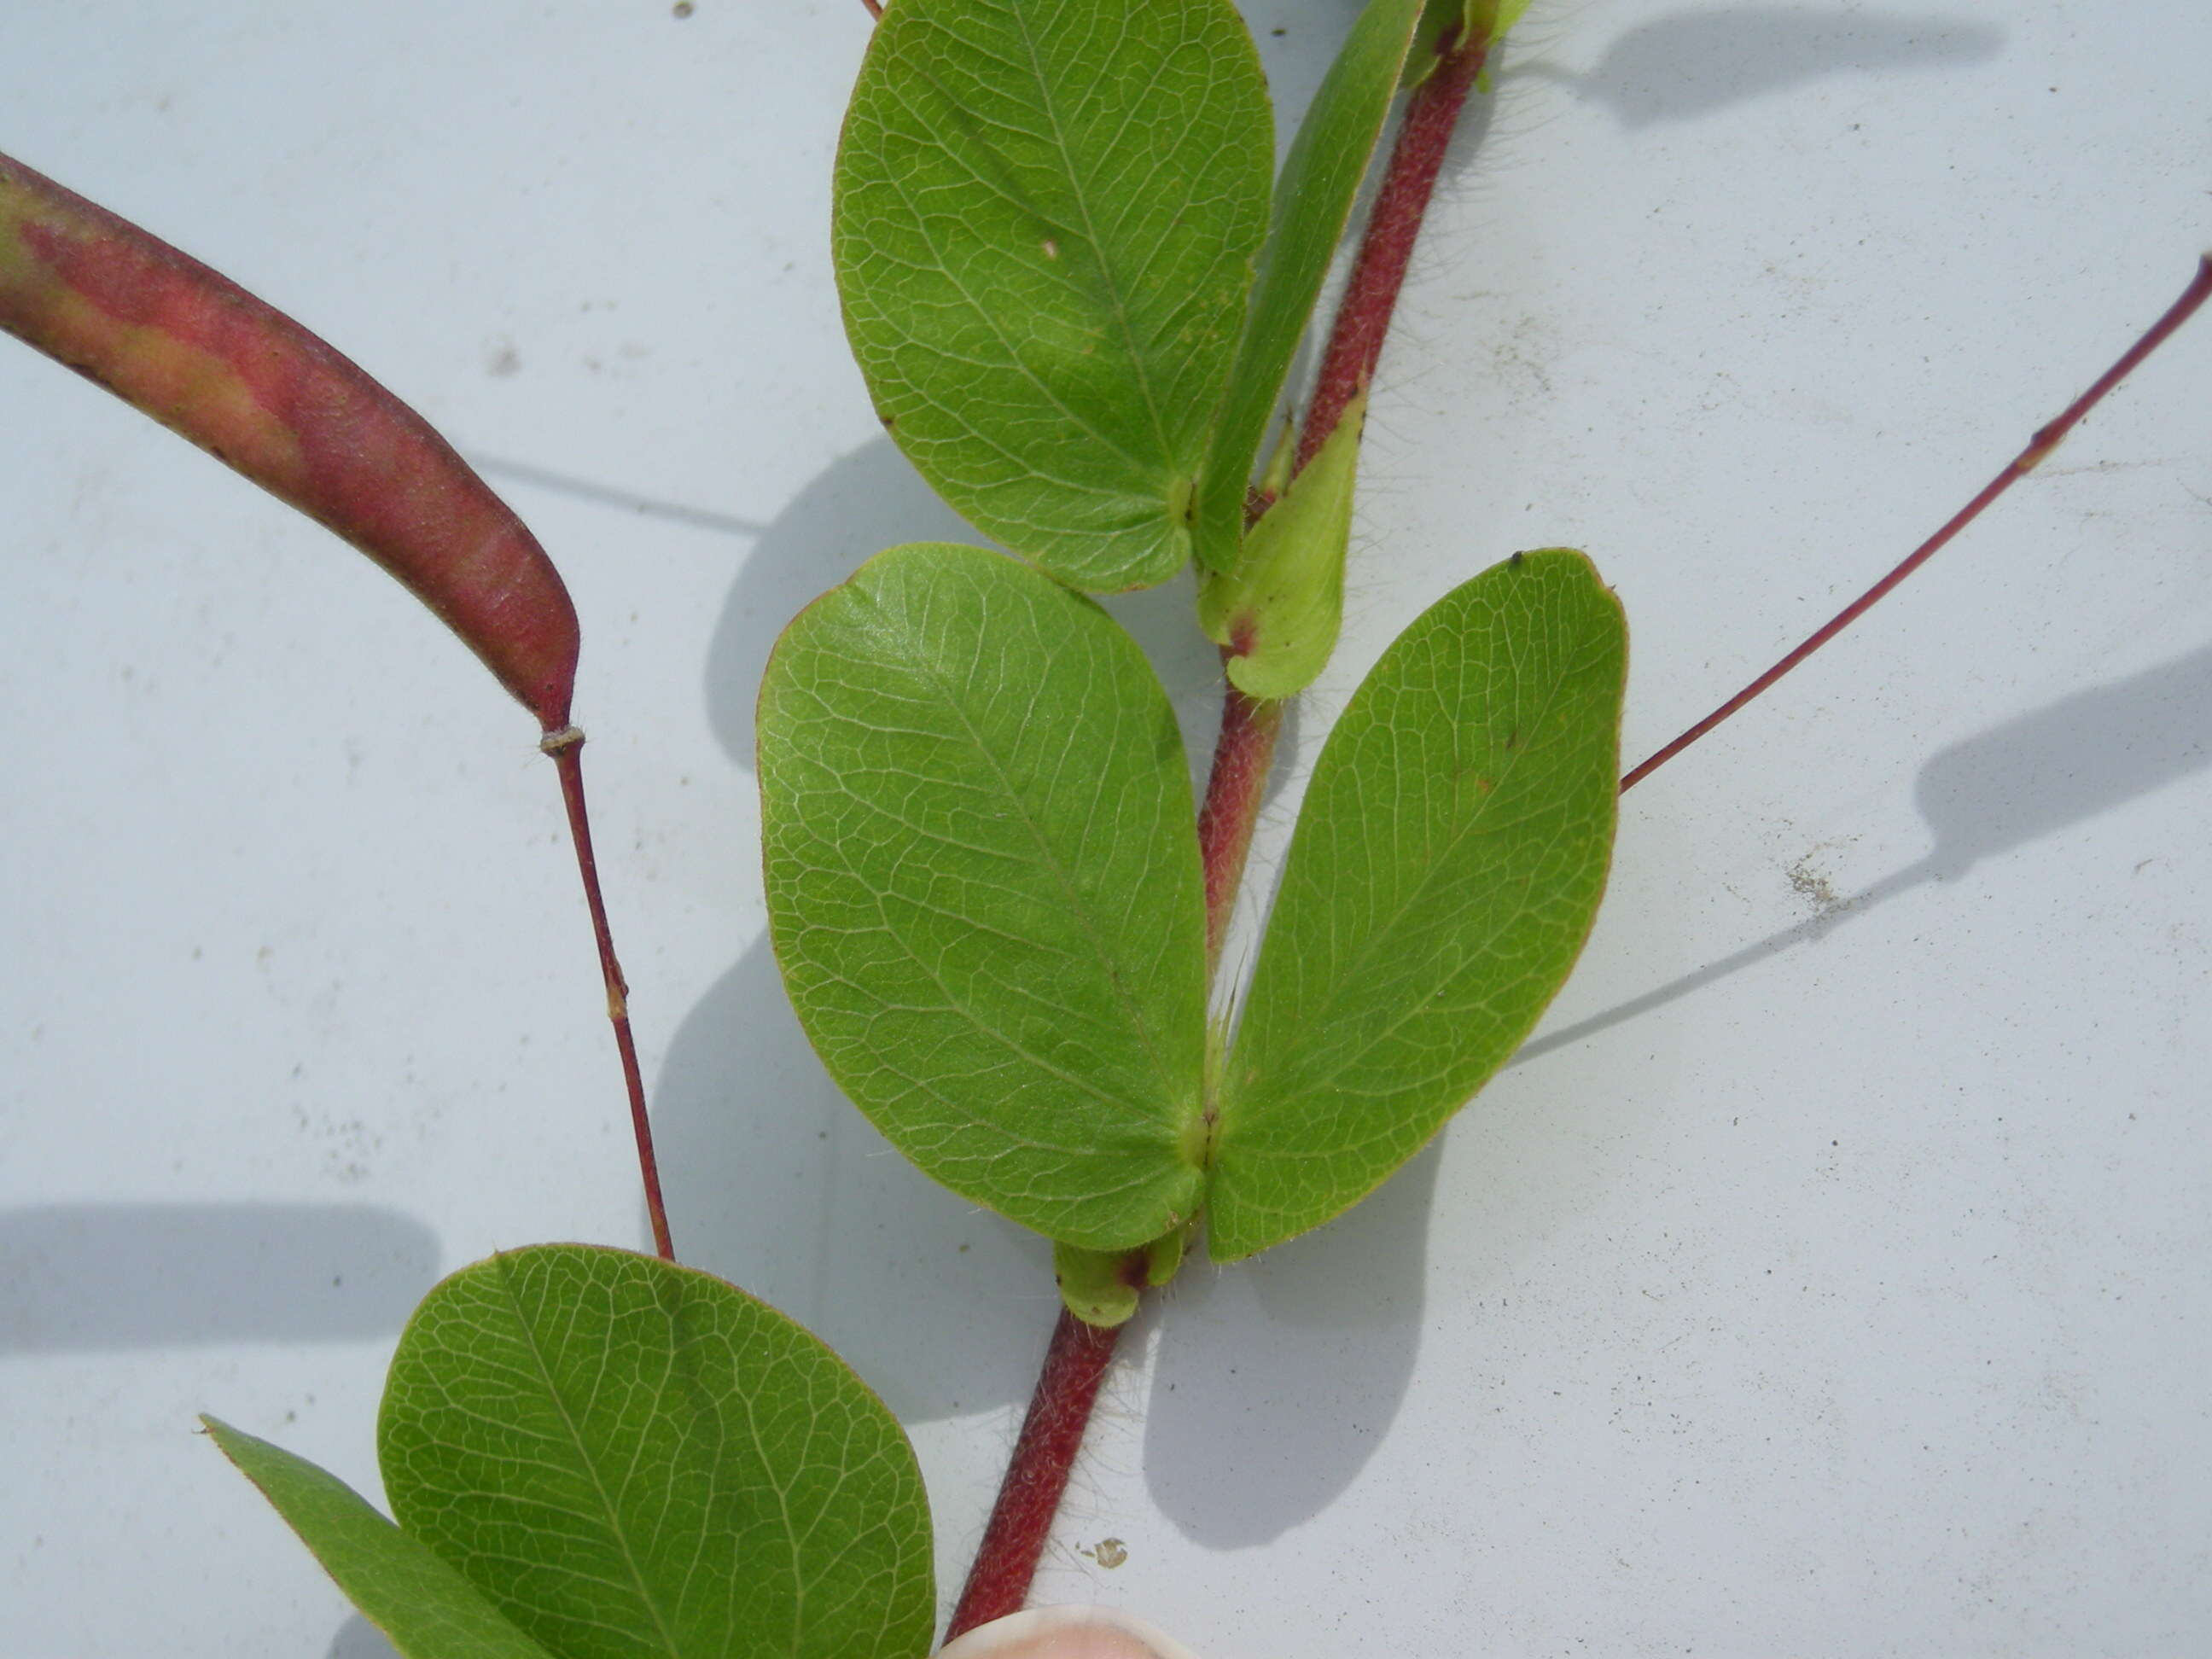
x=984 y=889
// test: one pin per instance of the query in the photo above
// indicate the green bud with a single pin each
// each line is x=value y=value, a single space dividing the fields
x=1486 y=20
x=1099 y=1286
x=1279 y=610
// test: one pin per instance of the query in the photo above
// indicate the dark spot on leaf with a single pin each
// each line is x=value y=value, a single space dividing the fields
x=1516 y=558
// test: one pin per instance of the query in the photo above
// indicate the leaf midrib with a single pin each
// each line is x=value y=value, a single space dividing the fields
x=991 y=321
x=1318 y=1019
x=1072 y=895
x=645 y=1594
x=1117 y=307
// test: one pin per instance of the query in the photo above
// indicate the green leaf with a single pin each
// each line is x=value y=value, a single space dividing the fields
x=1445 y=871
x=1045 y=219
x=629 y=1458
x=1280 y=610
x=1321 y=178
x=428 y=1610
x=983 y=888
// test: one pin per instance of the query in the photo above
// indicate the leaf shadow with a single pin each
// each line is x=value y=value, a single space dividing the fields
x=357 y=1638
x=861 y=504
x=89 y=1277
x=775 y=1181
x=2033 y=776
x=1274 y=1380
x=1691 y=64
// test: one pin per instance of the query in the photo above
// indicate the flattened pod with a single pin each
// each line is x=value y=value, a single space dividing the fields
x=247 y=383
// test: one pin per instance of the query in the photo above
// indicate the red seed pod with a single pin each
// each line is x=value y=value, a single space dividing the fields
x=252 y=388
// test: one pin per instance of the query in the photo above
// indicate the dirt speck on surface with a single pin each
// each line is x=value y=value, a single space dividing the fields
x=1815 y=888
x=1812 y=883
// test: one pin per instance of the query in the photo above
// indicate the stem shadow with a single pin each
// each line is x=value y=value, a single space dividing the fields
x=1680 y=67
x=2033 y=776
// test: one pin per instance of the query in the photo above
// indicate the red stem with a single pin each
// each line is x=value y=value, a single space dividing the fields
x=566 y=746
x=1028 y=1496
x=1242 y=757
x=2046 y=439
x=1363 y=319
x=1052 y=1434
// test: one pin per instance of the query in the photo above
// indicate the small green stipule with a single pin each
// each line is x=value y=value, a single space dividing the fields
x=189 y=347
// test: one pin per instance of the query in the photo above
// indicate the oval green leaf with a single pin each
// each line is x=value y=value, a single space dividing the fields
x=1312 y=201
x=1044 y=225
x=983 y=888
x=1445 y=871
x=426 y=1608
x=629 y=1458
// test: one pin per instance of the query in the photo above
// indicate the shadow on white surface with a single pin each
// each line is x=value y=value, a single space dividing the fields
x=75 y=1277
x=853 y=510
x=628 y=501
x=1693 y=64
x=359 y=1639
x=1275 y=1380
x=776 y=1183
x=2033 y=776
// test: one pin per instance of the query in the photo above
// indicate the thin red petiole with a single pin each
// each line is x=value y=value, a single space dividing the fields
x=2046 y=439
x=566 y=746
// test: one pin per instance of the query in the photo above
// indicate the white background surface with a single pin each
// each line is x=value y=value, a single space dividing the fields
x=1827 y=1279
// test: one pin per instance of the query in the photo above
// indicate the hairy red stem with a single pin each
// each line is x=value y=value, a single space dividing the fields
x=1242 y=757
x=2046 y=439
x=1029 y=1497
x=566 y=746
x=1363 y=318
